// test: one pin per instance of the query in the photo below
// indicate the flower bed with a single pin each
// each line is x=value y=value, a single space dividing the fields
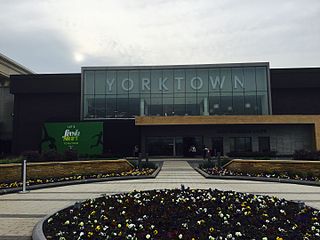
x=30 y=182
x=284 y=175
x=184 y=214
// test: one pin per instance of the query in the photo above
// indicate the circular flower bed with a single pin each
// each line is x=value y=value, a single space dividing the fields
x=285 y=175
x=184 y=214
x=133 y=172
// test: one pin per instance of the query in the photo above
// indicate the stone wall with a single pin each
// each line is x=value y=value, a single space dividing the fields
x=258 y=166
x=12 y=172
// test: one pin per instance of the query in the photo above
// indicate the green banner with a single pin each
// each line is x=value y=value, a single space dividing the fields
x=84 y=137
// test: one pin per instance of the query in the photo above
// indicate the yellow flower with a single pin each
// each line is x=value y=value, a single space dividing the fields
x=279 y=238
x=155 y=232
x=211 y=229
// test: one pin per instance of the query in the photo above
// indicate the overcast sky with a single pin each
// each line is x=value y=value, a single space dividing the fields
x=63 y=35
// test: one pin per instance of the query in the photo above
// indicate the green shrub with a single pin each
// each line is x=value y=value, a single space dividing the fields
x=207 y=164
x=70 y=155
x=306 y=155
x=252 y=154
x=143 y=164
x=51 y=155
x=31 y=156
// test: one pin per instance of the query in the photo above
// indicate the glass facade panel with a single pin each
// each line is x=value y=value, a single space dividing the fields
x=173 y=90
x=100 y=82
x=240 y=144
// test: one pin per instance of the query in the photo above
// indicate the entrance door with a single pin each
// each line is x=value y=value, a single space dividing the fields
x=160 y=146
x=217 y=145
x=189 y=142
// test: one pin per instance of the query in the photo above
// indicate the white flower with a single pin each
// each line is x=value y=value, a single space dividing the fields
x=180 y=236
x=148 y=236
x=238 y=234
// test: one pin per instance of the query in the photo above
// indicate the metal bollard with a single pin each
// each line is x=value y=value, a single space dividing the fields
x=24 y=177
x=147 y=157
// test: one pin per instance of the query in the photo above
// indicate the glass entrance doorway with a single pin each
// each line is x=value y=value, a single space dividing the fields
x=217 y=145
x=173 y=146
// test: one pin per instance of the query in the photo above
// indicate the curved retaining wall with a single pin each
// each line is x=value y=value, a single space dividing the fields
x=12 y=172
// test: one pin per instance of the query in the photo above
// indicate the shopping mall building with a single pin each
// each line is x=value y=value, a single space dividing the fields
x=164 y=110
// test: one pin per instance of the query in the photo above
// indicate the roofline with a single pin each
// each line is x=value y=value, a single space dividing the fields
x=251 y=64
x=11 y=63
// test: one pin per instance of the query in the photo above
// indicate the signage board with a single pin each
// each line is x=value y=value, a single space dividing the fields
x=84 y=137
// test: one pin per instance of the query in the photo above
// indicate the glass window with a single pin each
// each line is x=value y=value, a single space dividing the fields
x=145 y=81
x=192 y=106
x=238 y=103
x=111 y=85
x=89 y=108
x=203 y=79
x=156 y=108
x=179 y=105
x=134 y=77
x=100 y=82
x=100 y=106
x=122 y=106
x=216 y=81
x=250 y=79
x=167 y=82
x=134 y=105
x=168 y=109
x=179 y=81
x=226 y=80
x=261 y=78
x=250 y=103
x=226 y=103
x=214 y=105
x=238 y=80
x=197 y=91
x=123 y=82
x=111 y=108
x=156 y=78
x=89 y=82
x=264 y=144
x=240 y=144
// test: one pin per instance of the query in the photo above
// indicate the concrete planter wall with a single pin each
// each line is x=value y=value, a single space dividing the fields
x=12 y=172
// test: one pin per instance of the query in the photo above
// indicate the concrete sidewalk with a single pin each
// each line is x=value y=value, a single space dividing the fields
x=20 y=212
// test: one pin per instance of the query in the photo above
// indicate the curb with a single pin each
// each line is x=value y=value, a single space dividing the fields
x=82 y=181
x=261 y=179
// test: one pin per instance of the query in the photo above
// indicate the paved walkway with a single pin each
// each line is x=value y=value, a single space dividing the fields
x=20 y=212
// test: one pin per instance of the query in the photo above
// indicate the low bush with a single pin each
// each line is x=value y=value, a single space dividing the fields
x=51 y=155
x=143 y=164
x=70 y=155
x=252 y=154
x=31 y=156
x=306 y=155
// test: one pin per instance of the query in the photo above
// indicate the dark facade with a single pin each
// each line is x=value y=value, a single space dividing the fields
x=57 y=98
x=295 y=91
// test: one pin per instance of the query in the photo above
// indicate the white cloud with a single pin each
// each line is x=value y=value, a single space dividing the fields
x=126 y=32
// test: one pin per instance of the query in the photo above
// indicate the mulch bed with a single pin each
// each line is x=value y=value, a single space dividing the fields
x=185 y=214
x=283 y=175
x=134 y=172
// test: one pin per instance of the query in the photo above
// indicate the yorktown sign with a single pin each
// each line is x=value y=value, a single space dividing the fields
x=195 y=83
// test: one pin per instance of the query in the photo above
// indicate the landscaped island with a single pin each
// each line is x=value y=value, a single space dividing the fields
x=36 y=181
x=283 y=175
x=184 y=214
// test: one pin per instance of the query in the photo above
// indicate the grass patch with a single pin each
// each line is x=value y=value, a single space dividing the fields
x=11 y=160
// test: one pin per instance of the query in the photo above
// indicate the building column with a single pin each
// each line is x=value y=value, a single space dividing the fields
x=205 y=106
x=141 y=107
